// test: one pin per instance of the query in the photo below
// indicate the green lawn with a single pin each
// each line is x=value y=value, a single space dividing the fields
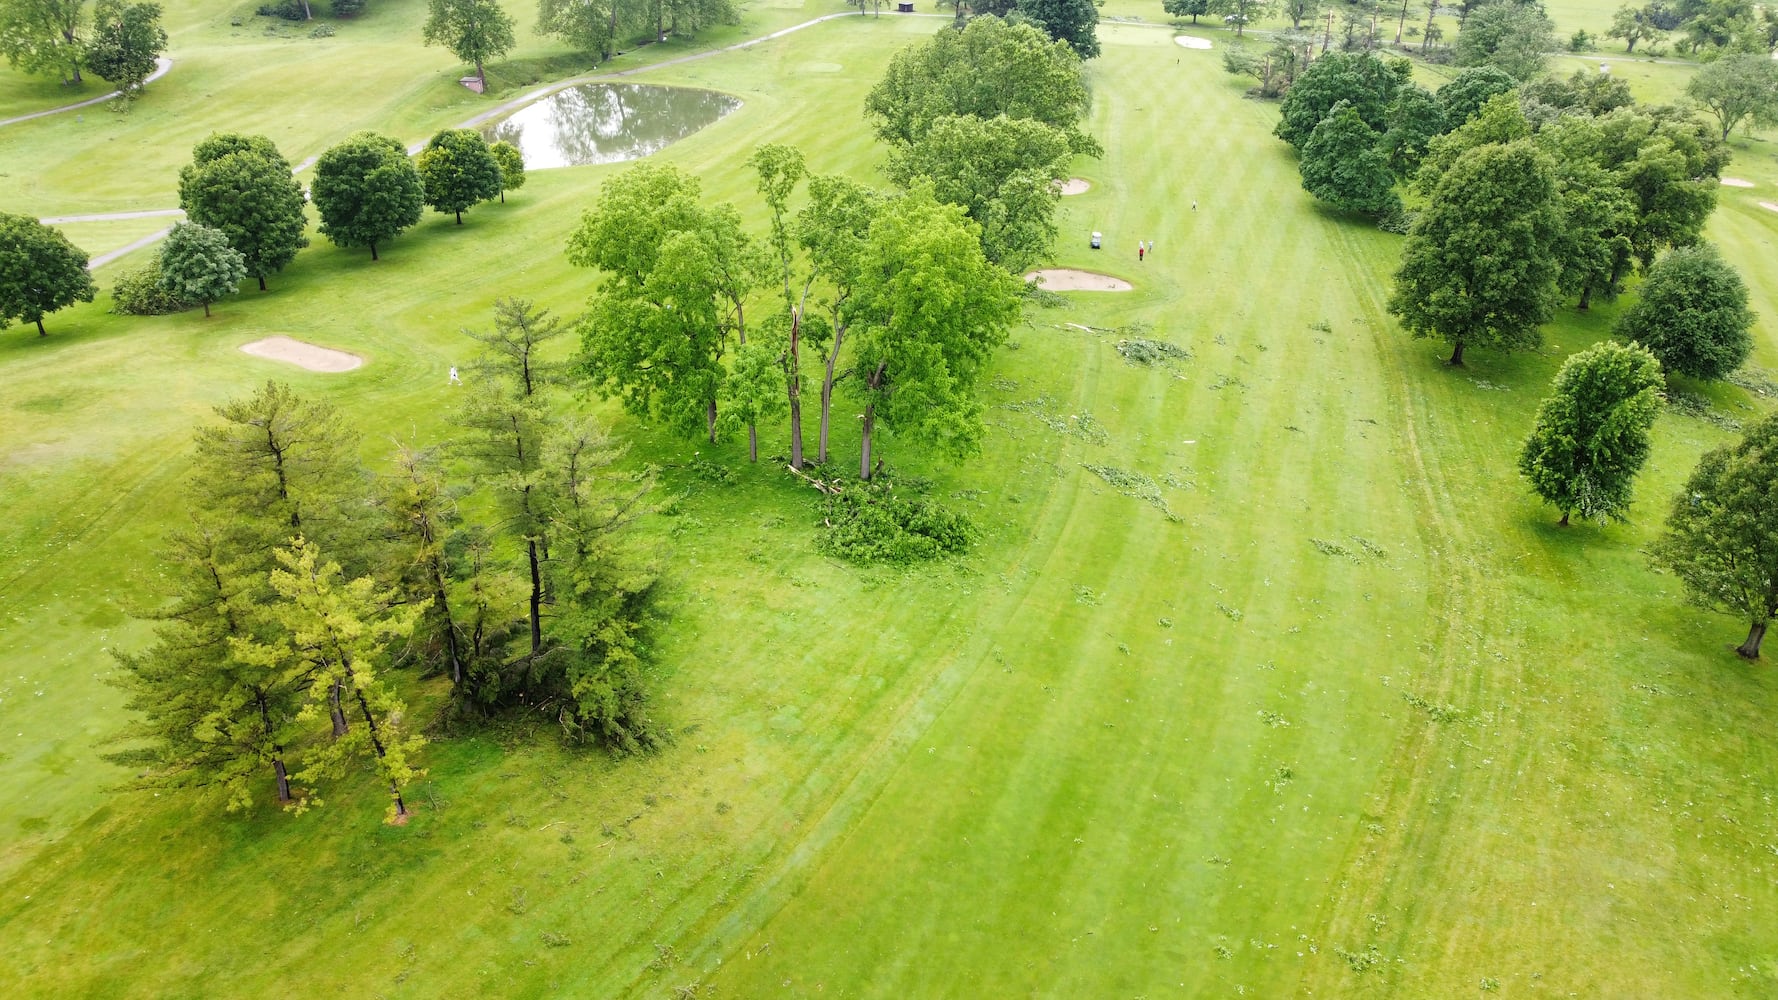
x=1356 y=720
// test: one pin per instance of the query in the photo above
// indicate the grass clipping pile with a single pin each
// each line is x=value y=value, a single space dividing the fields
x=882 y=522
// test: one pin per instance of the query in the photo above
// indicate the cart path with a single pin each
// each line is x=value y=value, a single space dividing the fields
x=161 y=65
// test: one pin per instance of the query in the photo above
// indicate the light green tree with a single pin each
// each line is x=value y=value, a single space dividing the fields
x=126 y=40
x=512 y=167
x=1721 y=538
x=1592 y=432
x=46 y=36
x=1737 y=88
x=198 y=265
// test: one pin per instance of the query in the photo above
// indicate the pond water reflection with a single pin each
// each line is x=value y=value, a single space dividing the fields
x=607 y=122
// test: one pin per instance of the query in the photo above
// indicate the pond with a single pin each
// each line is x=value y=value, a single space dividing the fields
x=607 y=122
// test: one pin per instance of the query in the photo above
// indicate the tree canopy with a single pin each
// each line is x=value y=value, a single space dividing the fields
x=198 y=265
x=1592 y=432
x=242 y=187
x=1465 y=95
x=1075 y=22
x=472 y=30
x=1479 y=265
x=367 y=191
x=127 y=38
x=1737 y=88
x=1721 y=538
x=512 y=167
x=988 y=68
x=46 y=36
x=1003 y=171
x=1367 y=83
x=40 y=271
x=1692 y=314
x=1510 y=36
x=1343 y=165
x=458 y=171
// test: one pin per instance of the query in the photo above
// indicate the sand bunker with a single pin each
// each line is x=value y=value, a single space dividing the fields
x=1736 y=182
x=1191 y=41
x=315 y=359
x=1074 y=185
x=1769 y=206
x=1061 y=279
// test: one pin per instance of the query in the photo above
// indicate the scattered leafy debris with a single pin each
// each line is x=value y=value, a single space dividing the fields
x=1439 y=713
x=1142 y=352
x=866 y=522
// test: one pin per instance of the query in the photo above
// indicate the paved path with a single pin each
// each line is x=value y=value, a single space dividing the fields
x=161 y=65
x=151 y=213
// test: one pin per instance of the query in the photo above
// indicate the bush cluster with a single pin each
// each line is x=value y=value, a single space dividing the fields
x=874 y=522
x=139 y=293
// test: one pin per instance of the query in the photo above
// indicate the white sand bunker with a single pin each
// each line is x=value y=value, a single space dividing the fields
x=1191 y=41
x=1074 y=185
x=315 y=359
x=1061 y=279
x=1769 y=206
x=1736 y=182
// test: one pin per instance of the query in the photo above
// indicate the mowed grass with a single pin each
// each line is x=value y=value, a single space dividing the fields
x=1112 y=753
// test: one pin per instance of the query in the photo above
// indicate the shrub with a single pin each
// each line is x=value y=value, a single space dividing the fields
x=868 y=522
x=139 y=293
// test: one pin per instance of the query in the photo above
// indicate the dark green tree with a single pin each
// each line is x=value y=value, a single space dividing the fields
x=1589 y=92
x=1500 y=121
x=1633 y=24
x=1721 y=539
x=198 y=265
x=1369 y=84
x=1073 y=21
x=367 y=191
x=1181 y=8
x=40 y=271
x=127 y=38
x=472 y=30
x=241 y=187
x=1241 y=13
x=1465 y=95
x=1413 y=121
x=1692 y=314
x=1343 y=165
x=1592 y=431
x=457 y=171
x=1737 y=88
x=1479 y=265
x=512 y=167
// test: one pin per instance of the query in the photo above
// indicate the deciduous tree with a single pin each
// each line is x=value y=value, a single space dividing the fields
x=930 y=310
x=1241 y=13
x=1737 y=88
x=1182 y=8
x=244 y=190
x=457 y=171
x=198 y=265
x=1511 y=36
x=367 y=191
x=1368 y=83
x=1591 y=435
x=1343 y=165
x=40 y=271
x=46 y=36
x=1479 y=265
x=127 y=38
x=1413 y=121
x=512 y=167
x=1692 y=314
x=1474 y=87
x=1003 y=171
x=1073 y=21
x=472 y=30
x=1721 y=539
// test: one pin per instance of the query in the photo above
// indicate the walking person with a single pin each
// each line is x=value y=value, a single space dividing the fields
x=454 y=379
x=1141 y=248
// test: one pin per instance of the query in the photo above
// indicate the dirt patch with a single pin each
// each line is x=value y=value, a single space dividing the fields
x=1074 y=185
x=1769 y=206
x=1061 y=279
x=315 y=359
x=1735 y=182
x=1191 y=41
